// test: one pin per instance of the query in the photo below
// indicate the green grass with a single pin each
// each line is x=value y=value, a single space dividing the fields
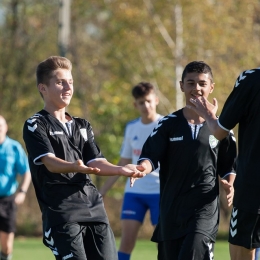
x=33 y=249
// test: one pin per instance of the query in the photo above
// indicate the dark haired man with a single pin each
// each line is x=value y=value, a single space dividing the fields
x=191 y=160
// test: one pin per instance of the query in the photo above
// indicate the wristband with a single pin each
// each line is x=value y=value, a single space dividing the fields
x=22 y=191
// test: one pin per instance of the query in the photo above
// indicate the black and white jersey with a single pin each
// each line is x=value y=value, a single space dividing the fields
x=243 y=107
x=70 y=197
x=189 y=169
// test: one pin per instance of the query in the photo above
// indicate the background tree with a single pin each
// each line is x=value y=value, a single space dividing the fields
x=115 y=44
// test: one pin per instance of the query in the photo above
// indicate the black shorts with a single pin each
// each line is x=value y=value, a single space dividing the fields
x=81 y=241
x=192 y=246
x=244 y=229
x=8 y=214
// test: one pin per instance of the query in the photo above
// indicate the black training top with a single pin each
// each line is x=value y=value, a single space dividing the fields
x=70 y=197
x=243 y=107
x=189 y=171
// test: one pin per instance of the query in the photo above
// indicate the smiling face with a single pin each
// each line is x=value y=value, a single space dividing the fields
x=195 y=85
x=58 y=93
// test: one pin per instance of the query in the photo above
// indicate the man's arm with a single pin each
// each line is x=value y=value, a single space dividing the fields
x=147 y=166
x=109 y=169
x=208 y=111
x=98 y=167
x=112 y=180
x=24 y=186
x=57 y=165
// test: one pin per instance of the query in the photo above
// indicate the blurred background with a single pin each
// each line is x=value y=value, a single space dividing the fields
x=113 y=45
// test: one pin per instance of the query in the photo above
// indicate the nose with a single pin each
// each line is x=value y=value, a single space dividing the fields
x=197 y=86
x=146 y=104
x=66 y=85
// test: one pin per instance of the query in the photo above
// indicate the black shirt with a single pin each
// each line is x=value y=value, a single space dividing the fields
x=243 y=107
x=189 y=171
x=70 y=197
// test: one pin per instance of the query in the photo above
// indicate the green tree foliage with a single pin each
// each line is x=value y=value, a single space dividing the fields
x=115 y=44
x=26 y=37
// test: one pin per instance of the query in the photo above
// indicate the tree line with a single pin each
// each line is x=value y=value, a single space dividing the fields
x=115 y=44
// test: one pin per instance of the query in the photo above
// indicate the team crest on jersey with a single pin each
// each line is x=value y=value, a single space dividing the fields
x=83 y=132
x=213 y=142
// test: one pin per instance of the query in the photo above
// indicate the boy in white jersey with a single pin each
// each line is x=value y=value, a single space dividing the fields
x=144 y=195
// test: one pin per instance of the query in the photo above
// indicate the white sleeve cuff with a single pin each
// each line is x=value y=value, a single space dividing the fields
x=221 y=126
x=228 y=174
x=37 y=161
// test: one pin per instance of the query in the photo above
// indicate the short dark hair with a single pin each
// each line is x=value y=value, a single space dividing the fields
x=142 y=89
x=45 y=68
x=199 y=67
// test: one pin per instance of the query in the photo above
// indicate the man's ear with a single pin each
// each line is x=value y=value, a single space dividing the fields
x=157 y=100
x=181 y=85
x=41 y=87
x=212 y=87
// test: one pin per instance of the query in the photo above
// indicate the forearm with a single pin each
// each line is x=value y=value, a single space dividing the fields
x=214 y=127
x=106 y=168
x=112 y=179
x=57 y=165
x=24 y=186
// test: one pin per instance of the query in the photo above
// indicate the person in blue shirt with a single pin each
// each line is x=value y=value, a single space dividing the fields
x=13 y=161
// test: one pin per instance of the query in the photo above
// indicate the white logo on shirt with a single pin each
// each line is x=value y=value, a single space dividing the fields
x=213 y=142
x=31 y=120
x=47 y=233
x=67 y=256
x=50 y=242
x=83 y=132
x=32 y=128
x=56 y=133
x=176 y=139
x=160 y=124
x=155 y=130
x=233 y=223
x=241 y=77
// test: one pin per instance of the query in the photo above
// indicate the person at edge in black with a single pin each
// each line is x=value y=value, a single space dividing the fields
x=241 y=108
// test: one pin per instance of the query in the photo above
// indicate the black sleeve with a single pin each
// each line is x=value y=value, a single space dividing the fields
x=240 y=99
x=227 y=155
x=156 y=144
x=36 y=139
x=90 y=150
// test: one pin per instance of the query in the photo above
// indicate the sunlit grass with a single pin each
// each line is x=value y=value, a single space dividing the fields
x=33 y=248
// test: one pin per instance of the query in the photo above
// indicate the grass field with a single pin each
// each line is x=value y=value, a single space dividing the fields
x=33 y=249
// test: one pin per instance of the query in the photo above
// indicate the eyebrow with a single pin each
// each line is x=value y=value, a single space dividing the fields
x=194 y=80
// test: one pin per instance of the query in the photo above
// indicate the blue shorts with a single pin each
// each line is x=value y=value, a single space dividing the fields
x=135 y=206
